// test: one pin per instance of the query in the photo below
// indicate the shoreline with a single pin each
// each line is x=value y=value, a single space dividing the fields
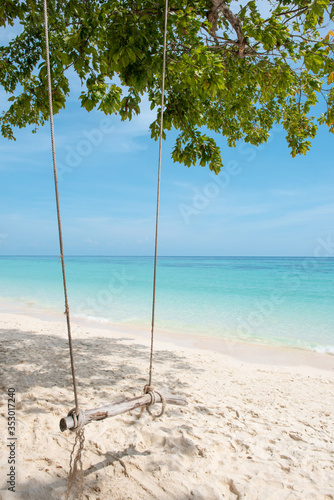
x=272 y=355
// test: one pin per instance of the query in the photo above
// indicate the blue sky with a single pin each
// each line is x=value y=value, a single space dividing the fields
x=263 y=203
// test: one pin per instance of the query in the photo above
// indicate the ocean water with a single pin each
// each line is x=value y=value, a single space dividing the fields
x=276 y=301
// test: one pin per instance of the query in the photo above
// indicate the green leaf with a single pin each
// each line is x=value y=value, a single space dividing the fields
x=238 y=88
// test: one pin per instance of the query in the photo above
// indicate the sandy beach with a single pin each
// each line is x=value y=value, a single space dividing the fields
x=258 y=424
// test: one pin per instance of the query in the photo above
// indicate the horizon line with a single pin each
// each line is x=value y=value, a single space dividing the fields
x=175 y=256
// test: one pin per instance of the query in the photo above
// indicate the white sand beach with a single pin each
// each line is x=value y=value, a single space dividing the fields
x=259 y=424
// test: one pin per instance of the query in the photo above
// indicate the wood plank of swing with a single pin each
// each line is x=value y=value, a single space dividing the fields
x=121 y=407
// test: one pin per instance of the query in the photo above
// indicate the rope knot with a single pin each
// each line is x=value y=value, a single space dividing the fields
x=78 y=418
x=149 y=389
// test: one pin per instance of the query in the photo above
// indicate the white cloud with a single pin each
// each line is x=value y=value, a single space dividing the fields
x=301 y=217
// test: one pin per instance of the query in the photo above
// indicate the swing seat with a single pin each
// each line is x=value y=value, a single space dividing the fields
x=68 y=423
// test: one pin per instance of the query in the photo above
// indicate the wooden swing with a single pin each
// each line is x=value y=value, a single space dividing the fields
x=77 y=418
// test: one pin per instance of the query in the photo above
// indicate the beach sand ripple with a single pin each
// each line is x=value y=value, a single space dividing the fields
x=250 y=431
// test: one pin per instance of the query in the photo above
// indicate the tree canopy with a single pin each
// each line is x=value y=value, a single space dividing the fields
x=233 y=68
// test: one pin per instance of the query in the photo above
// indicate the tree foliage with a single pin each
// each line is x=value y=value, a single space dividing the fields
x=231 y=69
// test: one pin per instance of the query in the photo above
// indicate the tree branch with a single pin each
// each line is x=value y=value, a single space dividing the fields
x=213 y=15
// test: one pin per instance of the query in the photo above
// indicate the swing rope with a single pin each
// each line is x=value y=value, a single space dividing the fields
x=149 y=385
x=60 y=232
x=76 y=477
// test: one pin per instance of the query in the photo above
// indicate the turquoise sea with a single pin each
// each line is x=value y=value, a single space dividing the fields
x=277 y=301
